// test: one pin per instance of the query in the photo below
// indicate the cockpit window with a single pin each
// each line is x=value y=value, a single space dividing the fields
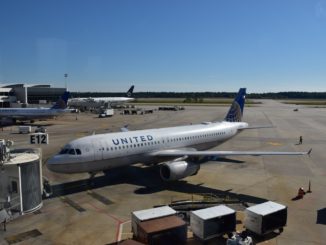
x=72 y=152
x=64 y=151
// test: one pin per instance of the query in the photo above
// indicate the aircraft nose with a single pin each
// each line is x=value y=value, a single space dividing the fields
x=55 y=163
x=52 y=160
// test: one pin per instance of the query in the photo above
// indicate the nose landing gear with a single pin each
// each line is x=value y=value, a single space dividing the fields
x=90 y=182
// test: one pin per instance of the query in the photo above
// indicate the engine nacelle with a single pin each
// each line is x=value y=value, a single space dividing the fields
x=7 y=121
x=178 y=170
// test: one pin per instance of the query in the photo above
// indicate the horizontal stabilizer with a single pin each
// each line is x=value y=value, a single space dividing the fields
x=259 y=126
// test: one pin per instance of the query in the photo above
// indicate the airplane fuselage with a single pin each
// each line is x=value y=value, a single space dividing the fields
x=13 y=114
x=30 y=113
x=96 y=101
x=113 y=99
x=106 y=151
x=103 y=100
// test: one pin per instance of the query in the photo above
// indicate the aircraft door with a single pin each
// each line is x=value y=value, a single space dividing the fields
x=14 y=192
x=98 y=150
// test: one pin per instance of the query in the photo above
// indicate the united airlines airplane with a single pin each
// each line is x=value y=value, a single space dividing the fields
x=110 y=100
x=179 y=150
x=11 y=115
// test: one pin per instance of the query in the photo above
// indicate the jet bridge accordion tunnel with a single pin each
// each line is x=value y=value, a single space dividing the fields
x=20 y=182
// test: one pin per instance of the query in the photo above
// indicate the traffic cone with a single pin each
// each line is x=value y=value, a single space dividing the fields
x=309 y=188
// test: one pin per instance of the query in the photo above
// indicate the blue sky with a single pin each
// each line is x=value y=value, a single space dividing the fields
x=207 y=45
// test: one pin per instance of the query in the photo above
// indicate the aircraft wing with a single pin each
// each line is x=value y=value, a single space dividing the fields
x=193 y=152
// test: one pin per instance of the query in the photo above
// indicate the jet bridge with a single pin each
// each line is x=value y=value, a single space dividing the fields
x=20 y=181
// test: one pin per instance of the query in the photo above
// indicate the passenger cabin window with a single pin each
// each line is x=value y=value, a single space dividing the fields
x=14 y=187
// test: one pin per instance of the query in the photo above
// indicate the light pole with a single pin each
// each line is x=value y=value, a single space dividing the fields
x=66 y=75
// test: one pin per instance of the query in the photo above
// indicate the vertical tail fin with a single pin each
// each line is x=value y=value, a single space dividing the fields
x=130 y=91
x=62 y=101
x=236 y=110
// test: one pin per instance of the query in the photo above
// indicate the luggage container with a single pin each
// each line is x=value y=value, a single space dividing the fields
x=162 y=231
x=212 y=222
x=265 y=218
x=148 y=214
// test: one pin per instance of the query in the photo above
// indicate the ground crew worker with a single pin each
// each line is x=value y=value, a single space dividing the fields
x=300 y=140
x=301 y=192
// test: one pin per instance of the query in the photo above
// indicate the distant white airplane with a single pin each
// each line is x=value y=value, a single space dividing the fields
x=179 y=150
x=11 y=115
x=112 y=101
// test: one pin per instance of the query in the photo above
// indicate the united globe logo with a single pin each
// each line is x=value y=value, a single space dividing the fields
x=234 y=114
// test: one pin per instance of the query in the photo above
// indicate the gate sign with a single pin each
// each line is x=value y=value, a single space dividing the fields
x=39 y=138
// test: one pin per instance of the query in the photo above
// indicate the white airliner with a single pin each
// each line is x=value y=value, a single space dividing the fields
x=11 y=115
x=109 y=100
x=179 y=150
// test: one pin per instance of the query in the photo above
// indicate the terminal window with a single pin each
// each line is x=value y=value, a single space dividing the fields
x=14 y=187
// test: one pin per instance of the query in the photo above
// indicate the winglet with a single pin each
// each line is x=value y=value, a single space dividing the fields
x=309 y=152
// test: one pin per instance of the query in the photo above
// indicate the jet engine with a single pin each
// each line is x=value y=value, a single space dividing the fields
x=178 y=170
x=7 y=121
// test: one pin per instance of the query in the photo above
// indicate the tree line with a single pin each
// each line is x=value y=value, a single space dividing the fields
x=194 y=95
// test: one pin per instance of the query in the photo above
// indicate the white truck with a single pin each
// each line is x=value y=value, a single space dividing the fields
x=24 y=129
x=106 y=113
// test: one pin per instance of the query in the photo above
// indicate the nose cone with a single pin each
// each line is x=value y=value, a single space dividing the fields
x=56 y=163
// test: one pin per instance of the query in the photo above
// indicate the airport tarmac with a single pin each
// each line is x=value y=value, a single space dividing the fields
x=100 y=213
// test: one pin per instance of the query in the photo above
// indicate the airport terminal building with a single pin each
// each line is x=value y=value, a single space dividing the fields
x=28 y=94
